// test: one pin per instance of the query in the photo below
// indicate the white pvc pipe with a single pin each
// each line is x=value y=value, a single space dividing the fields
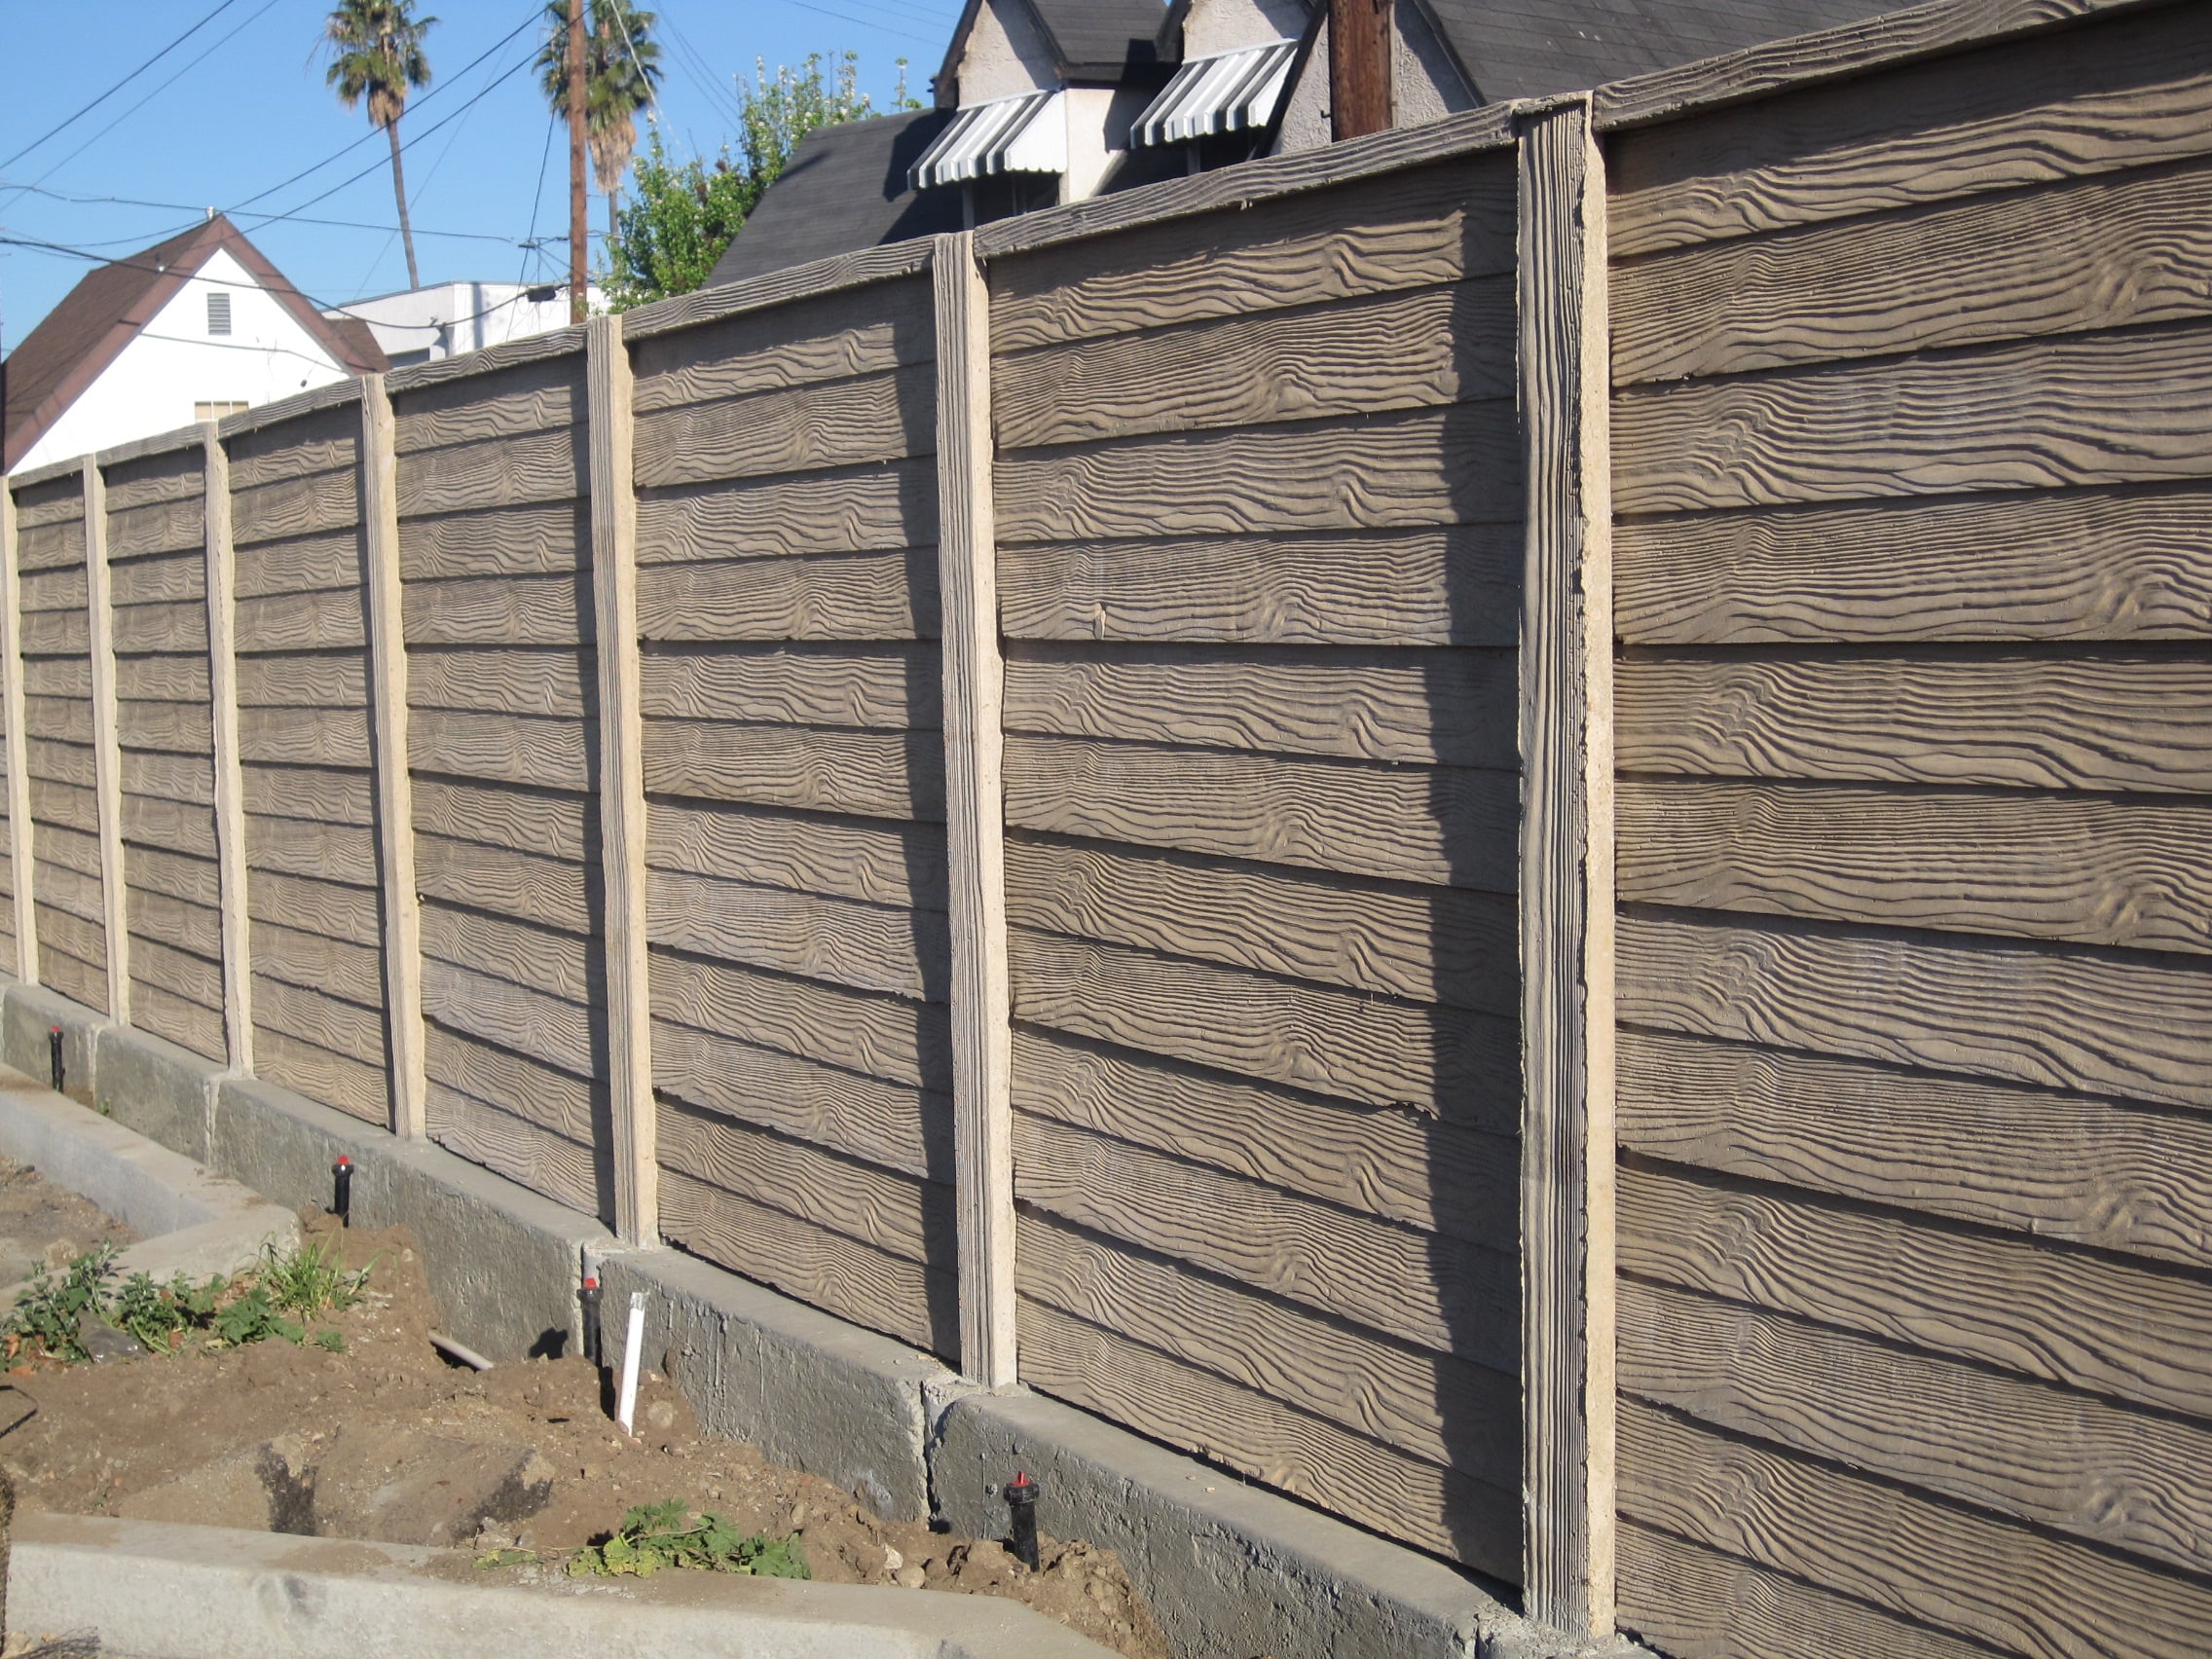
x=626 y=1410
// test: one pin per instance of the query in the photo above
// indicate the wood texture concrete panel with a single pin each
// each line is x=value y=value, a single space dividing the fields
x=1970 y=1574
x=158 y=529
x=1427 y=708
x=1401 y=230
x=338 y=1080
x=175 y=474
x=57 y=498
x=1457 y=585
x=172 y=728
x=557 y=964
x=509 y=1144
x=498 y=541
x=2102 y=720
x=879 y=596
x=57 y=676
x=194 y=880
x=179 y=627
x=879 y=507
x=351 y=972
x=311 y=564
x=188 y=1023
x=498 y=472
x=344 y=909
x=48 y=591
x=58 y=719
x=71 y=892
x=1427 y=466
x=60 y=809
x=2105 y=1325
x=303 y=737
x=1364 y=356
x=180 y=679
x=885 y=686
x=540 y=682
x=56 y=633
x=2079 y=565
x=869 y=947
x=834 y=336
x=2051 y=1458
x=849 y=423
x=499 y=610
x=2041 y=415
x=81 y=982
x=483 y=1073
x=549 y=823
x=83 y=939
x=885 y=1037
x=312 y=680
x=49 y=545
x=513 y=1016
x=58 y=763
x=866 y=773
x=166 y=580
x=1449 y=826
x=177 y=826
x=553 y=891
x=301 y=621
x=530 y=397
x=186 y=975
x=873 y=861
x=555 y=754
x=311 y=1017
x=310 y=795
x=312 y=505
x=318 y=441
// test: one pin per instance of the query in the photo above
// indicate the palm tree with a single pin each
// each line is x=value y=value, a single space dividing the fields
x=621 y=69
x=376 y=51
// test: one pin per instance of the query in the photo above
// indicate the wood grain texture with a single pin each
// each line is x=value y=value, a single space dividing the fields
x=62 y=810
x=498 y=541
x=2051 y=1458
x=875 y=861
x=311 y=793
x=890 y=688
x=312 y=505
x=1459 y=585
x=326 y=441
x=318 y=962
x=2041 y=415
x=162 y=468
x=179 y=729
x=538 y=683
x=496 y=1010
x=176 y=575
x=859 y=596
x=342 y=1027
x=186 y=975
x=1400 y=230
x=847 y=423
x=1968 y=1573
x=24 y=958
x=831 y=337
x=1253 y=1433
x=1441 y=1293
x=567 y=1105
x=57 y=676
x=160 y=869
x=340 y=910
x=63 y=589
x=2058 y=1167
x=548 y=824
x=311 y=564
x=82 y=982
x=530 y=397
x=1439 y=944
x=56 y=633
x=1456 y=465
x=507 y=749
x=498 y=610
x=181 y=1019
x=1449 y=826
x=866 y=773
x=2072 y=1317
x=302 y=622
x=2089 y=720
x=180 y=627
x=511 y=1145
x=557 y=964
x=498 y=472
x=347 y=852
x=2104 y=253
x=552 y=892
x=866 y=946
x=305 y=737
x=2105 y=1024
x=2082 y=871
x=336 y=1080
x=1427 y=708
x=1364 y=356
x=2079 y=565
x=889 y=505
x=336 y=680
x=162 y=679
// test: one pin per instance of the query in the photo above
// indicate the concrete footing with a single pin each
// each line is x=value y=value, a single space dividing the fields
x=1229 y=1571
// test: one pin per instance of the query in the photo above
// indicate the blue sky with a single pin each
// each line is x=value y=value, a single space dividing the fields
x=254 y=111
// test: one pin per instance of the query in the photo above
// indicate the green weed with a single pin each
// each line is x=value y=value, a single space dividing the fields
x=49 y=1317
x=670 y=1534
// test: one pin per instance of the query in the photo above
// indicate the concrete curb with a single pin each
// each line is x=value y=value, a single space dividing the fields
x=147 y=1589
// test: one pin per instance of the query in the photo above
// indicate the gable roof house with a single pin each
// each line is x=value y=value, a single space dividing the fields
x=192 y=328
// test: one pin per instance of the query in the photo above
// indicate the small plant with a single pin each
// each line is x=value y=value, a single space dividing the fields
x=160 y=1316
x=49 y=1316
x=670 y=1534
x=309 y=1282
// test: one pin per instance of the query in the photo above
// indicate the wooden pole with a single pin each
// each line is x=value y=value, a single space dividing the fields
x=622 y=787
x=230 y=780
x=395 y=787
x=1360 y=98
x=19 y=829
x=982 y=1060
x=578 y=228
x=1567 y=882
x=107 y=754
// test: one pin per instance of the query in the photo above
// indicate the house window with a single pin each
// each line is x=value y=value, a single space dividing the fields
x=217 y=408
x=218 y=313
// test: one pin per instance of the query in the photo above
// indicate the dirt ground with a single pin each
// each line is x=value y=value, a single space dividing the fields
x=388 y=1440
x=41 y=1223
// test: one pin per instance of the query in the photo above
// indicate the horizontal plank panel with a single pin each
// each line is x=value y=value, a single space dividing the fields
x=59 y=808
x=154 y=535
x=70 y=892
x=543 y=682
x=1426 y=467
x=500 y=473
x=847 y=423
x=310 y=793
x=500 y=541
x=552 y=825
x=878 y=508
x=2086 y=1321
x=1450 y=708
x=301 y=565
x=301 y=621
x=1442 y=944
x=311 y=505
x=871 y=948
x=559 y=1101
x=2102 y=253
x=2087 y=870
x=1966 y=1573
x=60 y=719
x=337 y=679
x=853 y=596
x=58 y=763
x=1442 y=1293
x=875 y=861
x=2106 y=722
x=82 y=982
x=870 y=773
x=180 y=679
x=182 y=728
x=552 y=892
x=884 y=686
x=1422 y=1402
x=511 y=1145
x=341 y=911
x=181 y=875
x=58 y=677
x=181 y=1021
x=351 y=972
x=884 y=1124
x=1438 y=1508
x=498 y=610
x=56 y=633
x=1363 y=356
x=305 y=737
x=2079 y=565
x=530 y=397
x=50 y=502
x=1405 y=229
x=1457 y=585
x=836 y=336
x=177 y=474
x=343 y=1027
x=314 y=442
x=47 y=592
x=184 y=974
x=1449 y=826
x=179 y=627
x=346 y=852
x=513 y=1016
x=2059 y=1166
x=823 y=1268
x=179 y=923
x=79 y=936
x=508 y=749
x=2038 y=415
x=2048 y=1457
x=172 y=579
x=179 y=825
x=558 y=964
x=885 y=1037
x=337 y=1080
x=1391 y=1163
x=2064 y=1019
x=184 y=778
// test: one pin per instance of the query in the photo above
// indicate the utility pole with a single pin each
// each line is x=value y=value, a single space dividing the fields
x=578 y=231
x=1360 y=67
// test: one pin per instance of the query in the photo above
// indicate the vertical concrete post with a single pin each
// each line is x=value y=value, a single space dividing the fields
x=230 y=777
x=19 y=829
x=108 y=750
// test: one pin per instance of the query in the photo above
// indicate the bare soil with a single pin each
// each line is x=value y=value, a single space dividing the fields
x=389 y=1441
x=42 y=1224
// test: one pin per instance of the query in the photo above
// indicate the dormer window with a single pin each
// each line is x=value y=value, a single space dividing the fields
x=218 y=313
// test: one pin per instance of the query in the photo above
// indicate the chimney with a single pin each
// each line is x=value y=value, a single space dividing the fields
x=1360 y=67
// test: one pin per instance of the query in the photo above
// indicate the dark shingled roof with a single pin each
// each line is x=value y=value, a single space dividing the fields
x=1093 y=41
x=844 y=189
x=103 y=313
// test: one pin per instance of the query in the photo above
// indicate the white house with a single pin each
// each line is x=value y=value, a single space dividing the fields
x=418 y=325
x=192 y=328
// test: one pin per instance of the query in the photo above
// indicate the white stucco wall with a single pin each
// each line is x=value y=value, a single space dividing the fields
x=1224 y=25
x=1425 y=83
x=447 y=318
x=1007 y=56
x=174 y=363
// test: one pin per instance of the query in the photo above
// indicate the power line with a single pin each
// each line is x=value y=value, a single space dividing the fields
x=120 y=85
x=263 y=218
x=864 y=22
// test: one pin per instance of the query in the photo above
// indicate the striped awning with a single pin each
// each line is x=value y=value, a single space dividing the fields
x=1027 y=134
x=1227 y=92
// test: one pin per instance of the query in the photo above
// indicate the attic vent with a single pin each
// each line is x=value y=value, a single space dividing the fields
x=218 y=313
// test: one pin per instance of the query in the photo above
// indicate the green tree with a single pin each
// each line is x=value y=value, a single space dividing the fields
x=621 y=70
x=682 y=215
x=376 y=52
